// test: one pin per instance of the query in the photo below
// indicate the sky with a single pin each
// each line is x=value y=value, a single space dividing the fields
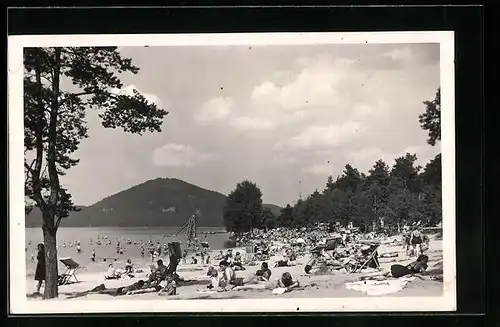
x=285 y=117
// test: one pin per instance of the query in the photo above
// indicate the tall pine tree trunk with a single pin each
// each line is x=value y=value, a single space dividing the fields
x=49 y=227
x=50 y=242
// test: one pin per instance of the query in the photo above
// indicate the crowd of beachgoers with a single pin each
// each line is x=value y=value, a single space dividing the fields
x=277 y=261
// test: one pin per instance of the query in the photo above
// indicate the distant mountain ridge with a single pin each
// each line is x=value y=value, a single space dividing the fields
x=159 y=202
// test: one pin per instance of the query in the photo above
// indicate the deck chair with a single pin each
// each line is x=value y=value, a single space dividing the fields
x=249 y=253
x=371 y=258
x=70 y=273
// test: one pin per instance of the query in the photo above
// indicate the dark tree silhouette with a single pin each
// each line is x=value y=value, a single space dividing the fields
x=243 y=209
x=430 y=120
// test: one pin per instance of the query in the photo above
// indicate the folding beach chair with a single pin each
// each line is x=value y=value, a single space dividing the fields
x=70 y=273
x=249 y=253
x=371 y=257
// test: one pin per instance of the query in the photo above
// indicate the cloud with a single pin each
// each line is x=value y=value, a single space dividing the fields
x=246 y=124
x=129 y=90
x=178 y=155
x=365 y=158
x=320 y=169
x=364 y=111
x=215 y=109
x=400 y=54
x=280 y=159
x=314 y=85
x=317 y=137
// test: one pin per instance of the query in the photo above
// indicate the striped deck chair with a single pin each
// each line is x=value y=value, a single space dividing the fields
x=70 y=273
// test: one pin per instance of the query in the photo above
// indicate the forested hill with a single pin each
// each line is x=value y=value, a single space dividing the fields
x=158 y=202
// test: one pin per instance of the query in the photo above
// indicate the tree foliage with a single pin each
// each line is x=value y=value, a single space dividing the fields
x=54 y=124
x=430 y=120
x=400 y=194
x=243 y=210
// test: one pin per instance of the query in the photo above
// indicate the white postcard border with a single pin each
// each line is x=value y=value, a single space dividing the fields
x=19 y=304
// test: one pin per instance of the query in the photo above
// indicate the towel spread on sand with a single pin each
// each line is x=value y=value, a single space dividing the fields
x=373 y=287
x=206 y=292
x=250 y=287
x=279 y=290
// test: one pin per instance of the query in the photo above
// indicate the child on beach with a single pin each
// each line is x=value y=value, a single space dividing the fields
x=112 y=273
x=168 y=286
x=286 y=281
x=214 y=278
x=128 y=267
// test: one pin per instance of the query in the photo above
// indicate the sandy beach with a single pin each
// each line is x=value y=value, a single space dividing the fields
x=312 y=286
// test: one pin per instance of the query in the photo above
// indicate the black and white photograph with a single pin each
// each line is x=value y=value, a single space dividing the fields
x=254 y=172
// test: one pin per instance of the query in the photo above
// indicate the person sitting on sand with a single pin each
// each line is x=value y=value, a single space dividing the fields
x=286 y=281
x=214 y=278
x=194 y=260
x=129 y=267
x=112 y=273
x=228 y=278
x=262 y=275
x=158 y=273
x=236 y=264
x=168 y=286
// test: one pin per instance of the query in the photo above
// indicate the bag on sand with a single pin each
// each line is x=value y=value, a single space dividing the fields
x=399 y=271
x=175 y=249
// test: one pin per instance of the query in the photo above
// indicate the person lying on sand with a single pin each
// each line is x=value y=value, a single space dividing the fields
x=286 y=281
x=101 y=289
x=414 y=269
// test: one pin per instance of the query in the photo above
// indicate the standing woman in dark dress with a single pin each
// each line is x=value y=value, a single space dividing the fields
x=40 y=267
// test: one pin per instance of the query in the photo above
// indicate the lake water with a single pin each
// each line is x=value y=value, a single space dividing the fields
x=88 y=238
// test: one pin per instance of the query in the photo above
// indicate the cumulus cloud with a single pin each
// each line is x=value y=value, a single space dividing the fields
x=399 y=54
x=215 y=109
x=178 y=155
x=246 y=124
x=280 y=159
x=365 y=158
x=319 y=169
x=317 y=137
x=363 y=110
x=129 y=90
x=314 y=85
